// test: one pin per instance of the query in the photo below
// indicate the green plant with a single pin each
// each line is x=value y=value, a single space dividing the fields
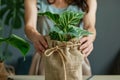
x=66 y=25
x=11 y=15
x=13 y=12
x=17 y=42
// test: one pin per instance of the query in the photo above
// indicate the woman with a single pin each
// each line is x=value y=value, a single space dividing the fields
x=35 y=34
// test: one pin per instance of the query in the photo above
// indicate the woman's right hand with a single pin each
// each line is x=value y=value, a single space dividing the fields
x=39 y=42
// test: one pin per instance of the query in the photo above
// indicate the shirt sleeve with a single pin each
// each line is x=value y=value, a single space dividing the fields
x=39 y=4
x=42 y=5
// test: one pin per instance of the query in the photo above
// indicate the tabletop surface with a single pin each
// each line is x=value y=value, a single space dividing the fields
x=27 y=77
x=94 y=77
x=105 y=77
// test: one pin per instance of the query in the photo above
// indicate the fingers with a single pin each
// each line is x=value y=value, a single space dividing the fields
x=84 y=39
x=39 y=47
x=87 y=50
x=88 y=53
x=86 y=45
x=85 y=42
x=40 y=44
x=43 y=42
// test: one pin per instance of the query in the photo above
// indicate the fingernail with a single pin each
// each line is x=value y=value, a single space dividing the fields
x=80 y=48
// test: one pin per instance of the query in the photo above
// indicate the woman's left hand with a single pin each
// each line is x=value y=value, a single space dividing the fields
x=86 y=45
x=87 y=41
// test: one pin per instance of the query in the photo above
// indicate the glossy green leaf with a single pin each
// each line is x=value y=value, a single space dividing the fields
x=16 y=22
x=18 y=43
x=15 y=14
x=70 y=18
x=8 y=17
x=53 y=17
x=78 y=32
x=3 y=11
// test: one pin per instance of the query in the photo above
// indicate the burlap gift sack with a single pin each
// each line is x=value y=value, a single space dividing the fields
x=5 y=71
x=37 y=66
x=63 y=60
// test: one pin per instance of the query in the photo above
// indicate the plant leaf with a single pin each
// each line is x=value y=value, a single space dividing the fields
x=18 y=43
x=17 y=23
x=52 y=16
x=56 y=29
x=14 y=14
x=3 y=11
x=78 y=32
x=8 y=17
x=70 y=18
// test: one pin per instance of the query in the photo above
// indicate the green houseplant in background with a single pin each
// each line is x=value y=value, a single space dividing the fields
x=11 y=15
x=11 y=18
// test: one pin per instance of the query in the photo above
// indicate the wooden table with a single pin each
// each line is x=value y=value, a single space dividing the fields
x=21 y=77
x=95 y=77
x=105 y=77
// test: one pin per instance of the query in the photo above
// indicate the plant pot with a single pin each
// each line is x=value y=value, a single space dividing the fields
x=3 y=72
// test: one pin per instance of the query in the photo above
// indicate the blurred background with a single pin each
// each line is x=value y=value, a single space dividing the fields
x=105 y=59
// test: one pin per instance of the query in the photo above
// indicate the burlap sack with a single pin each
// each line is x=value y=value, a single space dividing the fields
x=5 y=71
x=63 y=60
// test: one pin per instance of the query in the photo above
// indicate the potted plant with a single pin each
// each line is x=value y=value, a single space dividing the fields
x=11 y=15
x=63 y=59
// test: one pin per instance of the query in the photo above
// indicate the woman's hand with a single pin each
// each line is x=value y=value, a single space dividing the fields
x=86 y=45
x=87 y=41
x=39 y=42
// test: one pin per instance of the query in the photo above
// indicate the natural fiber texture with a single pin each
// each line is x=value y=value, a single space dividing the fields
x=37 y=66
x=63 y=60
x=5 y=71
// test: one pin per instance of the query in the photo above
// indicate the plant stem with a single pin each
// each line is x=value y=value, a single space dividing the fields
x=11 y=29
x=1 y=33
x=60 y=36
x=6 y=46
x=10 y=32
x=1 y=43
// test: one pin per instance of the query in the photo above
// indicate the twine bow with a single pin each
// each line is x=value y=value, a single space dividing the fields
x=62 y=56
